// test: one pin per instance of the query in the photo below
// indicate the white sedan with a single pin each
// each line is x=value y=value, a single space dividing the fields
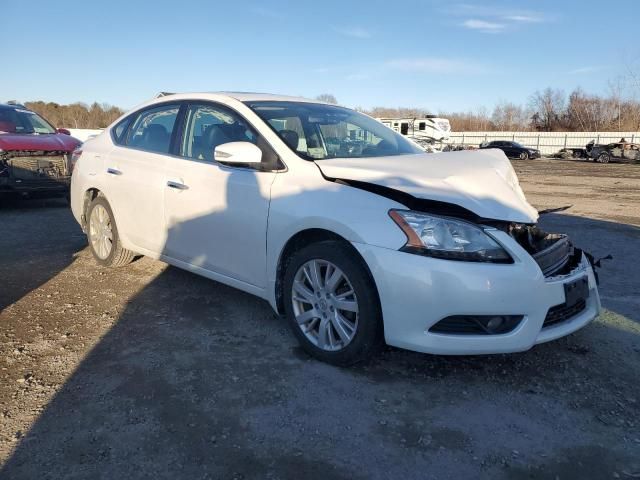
x=346 y=228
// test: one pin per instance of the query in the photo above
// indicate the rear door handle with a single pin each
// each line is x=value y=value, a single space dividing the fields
x=114 y=171
x=177 y=185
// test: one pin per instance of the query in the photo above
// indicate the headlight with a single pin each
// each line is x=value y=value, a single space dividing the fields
x=444 y=237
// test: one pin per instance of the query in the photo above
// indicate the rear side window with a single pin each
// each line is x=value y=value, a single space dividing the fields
x=152 y=129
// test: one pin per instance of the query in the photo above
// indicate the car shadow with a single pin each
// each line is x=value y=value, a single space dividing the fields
x=199 y=380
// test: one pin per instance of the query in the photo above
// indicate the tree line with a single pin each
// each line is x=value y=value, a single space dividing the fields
x=548 y=110
x=76 y=115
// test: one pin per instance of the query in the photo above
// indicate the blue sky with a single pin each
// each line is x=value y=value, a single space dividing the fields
x=444 y=56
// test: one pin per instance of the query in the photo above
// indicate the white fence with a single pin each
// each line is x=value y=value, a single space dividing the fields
x=547 y=142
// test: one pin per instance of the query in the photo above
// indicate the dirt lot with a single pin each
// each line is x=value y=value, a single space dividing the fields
x=152 y=372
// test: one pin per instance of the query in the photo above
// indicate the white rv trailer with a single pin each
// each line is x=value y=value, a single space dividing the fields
x=427 y=130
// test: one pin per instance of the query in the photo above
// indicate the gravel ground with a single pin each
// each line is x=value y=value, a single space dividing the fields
x=151 y=372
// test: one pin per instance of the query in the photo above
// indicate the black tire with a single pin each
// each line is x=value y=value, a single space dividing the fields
x=524 y=156
x=604 y=157
x=119 y=256
x=369 y=334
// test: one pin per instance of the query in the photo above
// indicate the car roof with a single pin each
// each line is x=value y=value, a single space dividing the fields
x=241 y=96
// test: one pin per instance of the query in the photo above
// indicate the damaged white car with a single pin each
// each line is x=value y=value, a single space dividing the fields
x=344 y=226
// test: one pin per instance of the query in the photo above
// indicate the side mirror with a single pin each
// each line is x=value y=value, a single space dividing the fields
x=237 y=153
x=63 y=130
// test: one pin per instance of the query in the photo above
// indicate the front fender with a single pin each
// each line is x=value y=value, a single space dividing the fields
x=311 y=202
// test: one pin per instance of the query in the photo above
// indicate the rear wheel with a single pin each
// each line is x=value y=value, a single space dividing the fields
x=102 y=234
x=604 y=157
x=332 y=304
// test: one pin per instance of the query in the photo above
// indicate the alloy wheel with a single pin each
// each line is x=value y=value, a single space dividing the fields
x=100 y=232
x=325 y=305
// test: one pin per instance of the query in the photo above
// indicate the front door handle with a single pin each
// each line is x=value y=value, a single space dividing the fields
x=177 y=185
x=114 y=171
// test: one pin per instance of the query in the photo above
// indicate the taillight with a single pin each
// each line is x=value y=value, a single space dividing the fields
x=75 y=156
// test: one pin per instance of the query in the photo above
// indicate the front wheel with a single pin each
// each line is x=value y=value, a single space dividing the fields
x=604 y=157
x=524 y=156
x=332 y=304
x=102 y=234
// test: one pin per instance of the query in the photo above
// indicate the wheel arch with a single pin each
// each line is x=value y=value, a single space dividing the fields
x=89 y=195
x=300 y=240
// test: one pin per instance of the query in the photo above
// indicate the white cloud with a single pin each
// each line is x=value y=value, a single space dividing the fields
x=584 y=70
x=484 y=26
x=494 y=19
x=434 y=65
x=354 y=32
x=524 y=18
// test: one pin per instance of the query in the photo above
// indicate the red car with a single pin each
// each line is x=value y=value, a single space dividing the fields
x=35 y=157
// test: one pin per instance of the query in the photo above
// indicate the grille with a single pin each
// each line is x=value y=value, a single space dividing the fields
x=38 y=169
x=554 y=257
x=561 y=313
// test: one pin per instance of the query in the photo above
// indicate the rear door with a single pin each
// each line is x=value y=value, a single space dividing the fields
x=135 y=176
x=216 y=215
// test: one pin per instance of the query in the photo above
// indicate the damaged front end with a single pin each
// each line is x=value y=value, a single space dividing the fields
x=553 y=252
x=27 y=172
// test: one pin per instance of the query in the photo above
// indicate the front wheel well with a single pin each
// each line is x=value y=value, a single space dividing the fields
x=301 y=240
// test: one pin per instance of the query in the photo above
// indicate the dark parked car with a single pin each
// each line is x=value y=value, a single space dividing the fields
x=622 y=151
x=513 y=149
x=35 y=157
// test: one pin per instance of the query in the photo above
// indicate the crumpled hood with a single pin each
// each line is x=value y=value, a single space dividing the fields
x=482 y=181
x=49 y=142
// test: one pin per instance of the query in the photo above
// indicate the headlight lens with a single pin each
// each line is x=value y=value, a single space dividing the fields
x=444 y=237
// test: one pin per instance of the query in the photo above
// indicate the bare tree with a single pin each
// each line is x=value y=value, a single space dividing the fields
x=327 y=97
x=508 y=116
x=549 y=107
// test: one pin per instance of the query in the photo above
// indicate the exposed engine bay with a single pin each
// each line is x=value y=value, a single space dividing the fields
x=553 y=252
x=33 y=170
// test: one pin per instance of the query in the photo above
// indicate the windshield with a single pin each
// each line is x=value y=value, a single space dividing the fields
x=18 y=120
x=316 y=131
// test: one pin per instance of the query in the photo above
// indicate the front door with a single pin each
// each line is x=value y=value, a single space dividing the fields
x=216 y=215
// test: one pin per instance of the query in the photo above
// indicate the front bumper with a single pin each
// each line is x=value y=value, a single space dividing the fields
x=416 y=292
x=11 y=185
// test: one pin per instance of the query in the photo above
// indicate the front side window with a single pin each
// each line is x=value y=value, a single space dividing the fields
x=318 y=131
x=208 y=126
x=152 y=129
